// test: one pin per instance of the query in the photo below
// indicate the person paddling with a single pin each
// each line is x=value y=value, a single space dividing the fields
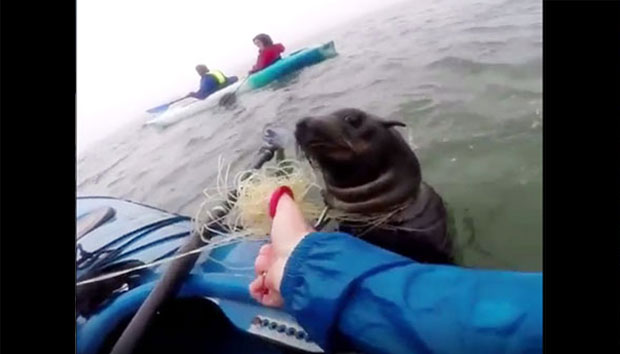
x=210 y=81
x=268 y=53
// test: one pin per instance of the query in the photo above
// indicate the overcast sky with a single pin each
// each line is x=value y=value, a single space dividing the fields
x=136 y=54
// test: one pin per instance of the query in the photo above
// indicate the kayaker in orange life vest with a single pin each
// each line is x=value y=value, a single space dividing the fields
x=268 y=53
x=210 y=81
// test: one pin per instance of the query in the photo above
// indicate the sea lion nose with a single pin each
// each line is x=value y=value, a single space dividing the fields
x=303 y=130
x=302 y=124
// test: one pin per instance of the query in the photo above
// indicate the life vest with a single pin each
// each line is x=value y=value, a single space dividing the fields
x=218 y=75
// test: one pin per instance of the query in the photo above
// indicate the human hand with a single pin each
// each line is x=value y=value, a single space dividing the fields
x=287 y=229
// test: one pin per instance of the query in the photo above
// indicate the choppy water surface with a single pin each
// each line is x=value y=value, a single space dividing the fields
x=466 y=77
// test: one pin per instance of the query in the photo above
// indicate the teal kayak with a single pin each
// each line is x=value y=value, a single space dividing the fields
x=291 y=63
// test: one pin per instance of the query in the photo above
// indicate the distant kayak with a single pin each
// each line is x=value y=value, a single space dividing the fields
x=287 y=65
x=296 y=61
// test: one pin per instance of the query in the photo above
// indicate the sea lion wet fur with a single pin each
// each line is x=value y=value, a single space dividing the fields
x=369 y=168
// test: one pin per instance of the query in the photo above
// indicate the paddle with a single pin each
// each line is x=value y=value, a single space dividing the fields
x=164 y=107
x=230 y=98
x=171 y=281
x=93 y=220
x=226 y=100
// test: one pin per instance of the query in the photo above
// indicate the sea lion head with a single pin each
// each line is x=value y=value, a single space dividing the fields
x=350 y=146
x=368 y=168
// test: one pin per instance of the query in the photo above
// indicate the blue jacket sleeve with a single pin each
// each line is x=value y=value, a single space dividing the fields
x=385 y=303
x=208 y=85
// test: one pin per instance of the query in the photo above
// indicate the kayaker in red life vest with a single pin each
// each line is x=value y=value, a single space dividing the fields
x=268 y=53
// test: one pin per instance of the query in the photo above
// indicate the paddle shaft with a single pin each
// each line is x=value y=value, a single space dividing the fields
x=241 y=85
x=164 y=107
x=178 y=99
x=230 y=98
x=173 y=278
x=92 y=221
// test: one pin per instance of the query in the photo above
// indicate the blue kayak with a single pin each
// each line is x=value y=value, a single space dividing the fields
x=212 y=313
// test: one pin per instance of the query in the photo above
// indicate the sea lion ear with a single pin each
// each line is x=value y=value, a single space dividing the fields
x=393 y=123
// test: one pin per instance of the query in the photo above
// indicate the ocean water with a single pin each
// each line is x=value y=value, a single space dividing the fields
x=466 y=77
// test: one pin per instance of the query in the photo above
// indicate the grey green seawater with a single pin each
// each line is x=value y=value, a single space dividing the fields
x=465 y=77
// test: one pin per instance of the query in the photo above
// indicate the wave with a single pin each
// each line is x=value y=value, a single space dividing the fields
x=462 y=65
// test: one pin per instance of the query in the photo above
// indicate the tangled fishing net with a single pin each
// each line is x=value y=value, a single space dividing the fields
x=245 y=201
x=246 y=215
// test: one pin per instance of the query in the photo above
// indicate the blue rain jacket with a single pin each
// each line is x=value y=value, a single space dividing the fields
x=385 y=303
x=208 y=85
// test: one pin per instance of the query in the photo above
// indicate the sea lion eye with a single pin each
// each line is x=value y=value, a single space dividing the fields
x=354 y=120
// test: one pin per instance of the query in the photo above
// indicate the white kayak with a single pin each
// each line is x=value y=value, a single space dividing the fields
x=188 y=107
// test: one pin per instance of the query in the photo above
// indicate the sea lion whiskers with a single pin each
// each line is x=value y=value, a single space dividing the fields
x=348 y=143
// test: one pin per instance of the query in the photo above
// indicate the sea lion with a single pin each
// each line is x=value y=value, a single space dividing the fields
x=368 y=168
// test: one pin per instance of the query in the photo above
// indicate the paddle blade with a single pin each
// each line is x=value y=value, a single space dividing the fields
x=164 y=107
x=93 y=220
x=159 y=109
